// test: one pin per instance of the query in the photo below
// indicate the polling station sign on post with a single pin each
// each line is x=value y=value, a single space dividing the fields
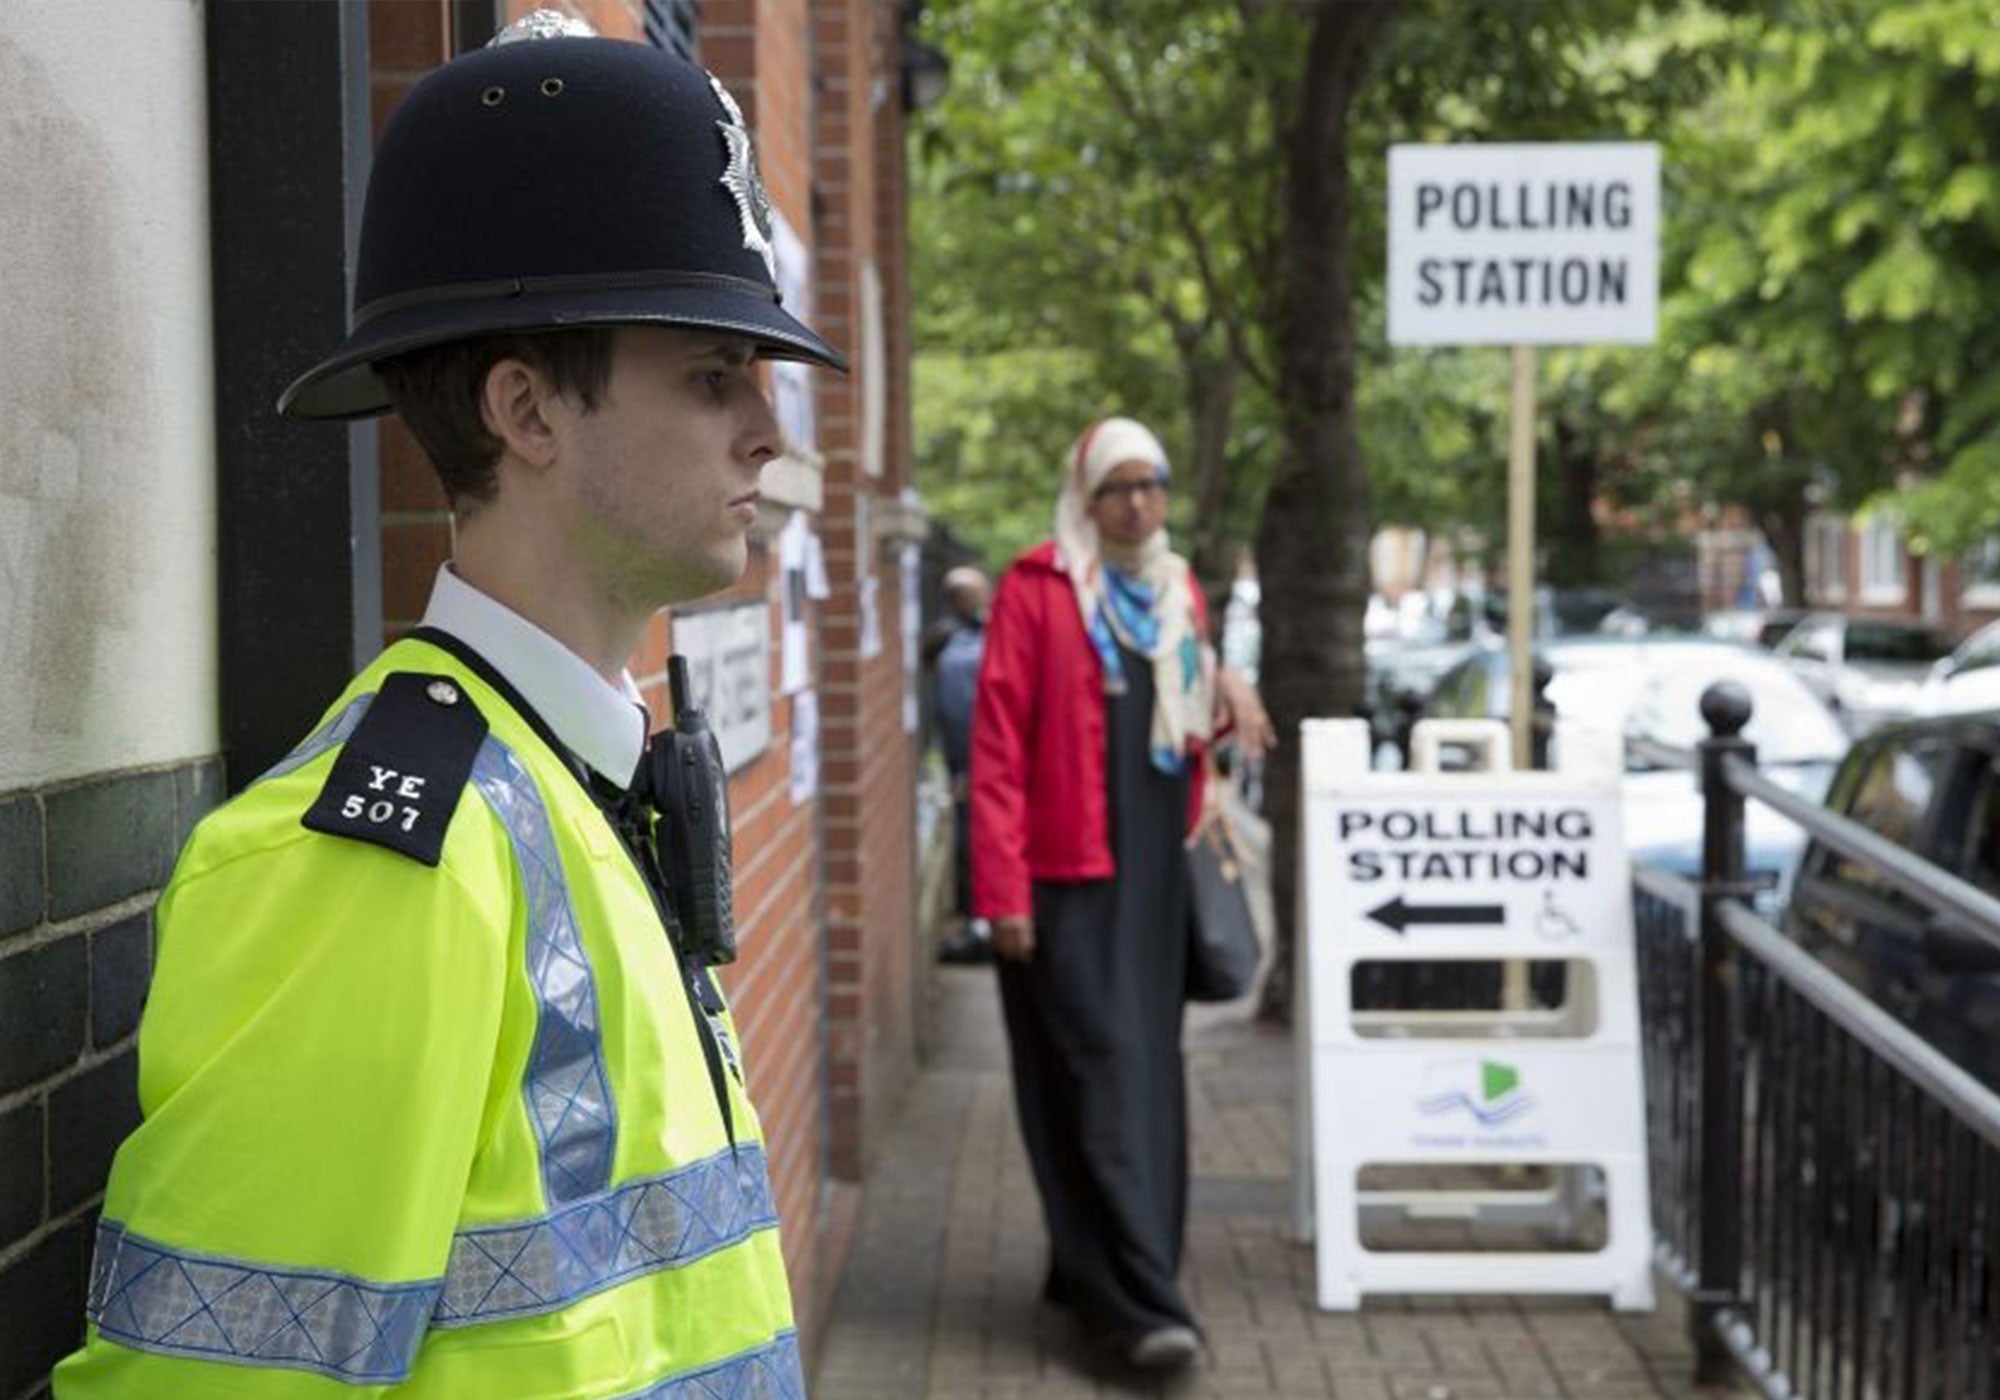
x=1553 y=244
x=1524 y=245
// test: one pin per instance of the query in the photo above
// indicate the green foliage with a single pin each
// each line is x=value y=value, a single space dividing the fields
x=1831 y=220
x=1089 y=208
x=1434 y=422
x=1096 y=228
x=1434 y=427
x=993 y=457
x=1106 y=181
x=1837 y=220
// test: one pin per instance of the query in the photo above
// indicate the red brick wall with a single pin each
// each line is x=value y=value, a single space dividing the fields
x=777 y=987
x=899 y=465
x=892 y=252
x=870 y=762
x=774 y=985
x=406 y=39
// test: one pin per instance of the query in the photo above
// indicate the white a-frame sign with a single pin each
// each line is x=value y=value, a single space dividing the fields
x=1421 y=1113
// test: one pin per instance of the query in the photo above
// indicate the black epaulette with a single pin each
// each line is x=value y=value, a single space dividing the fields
x=398 y=777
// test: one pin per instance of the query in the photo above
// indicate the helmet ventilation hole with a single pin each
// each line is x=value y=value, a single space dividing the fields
x=493 y=96
x=552 y=87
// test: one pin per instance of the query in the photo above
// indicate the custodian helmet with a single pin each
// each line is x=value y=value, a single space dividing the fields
x=562 y=182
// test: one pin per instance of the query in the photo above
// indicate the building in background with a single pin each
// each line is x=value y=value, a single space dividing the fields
x=188 y=578
x=1862 y=564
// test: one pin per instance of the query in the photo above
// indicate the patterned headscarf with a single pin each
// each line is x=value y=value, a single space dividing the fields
x=1145 y=601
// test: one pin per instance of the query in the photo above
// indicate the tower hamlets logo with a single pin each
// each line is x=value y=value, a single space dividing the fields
x=1488 y=1090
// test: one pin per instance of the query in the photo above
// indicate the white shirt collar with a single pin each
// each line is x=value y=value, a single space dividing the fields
x=603 y=724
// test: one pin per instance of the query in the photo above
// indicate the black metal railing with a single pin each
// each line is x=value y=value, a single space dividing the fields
x=1825 y=1183
x=1666 y=915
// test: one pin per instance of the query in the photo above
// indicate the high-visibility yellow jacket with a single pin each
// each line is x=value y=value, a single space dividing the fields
x=433 y=1132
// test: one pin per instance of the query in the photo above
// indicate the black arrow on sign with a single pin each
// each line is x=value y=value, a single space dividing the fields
x=1396 y=916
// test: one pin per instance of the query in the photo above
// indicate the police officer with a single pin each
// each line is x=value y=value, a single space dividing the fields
x=437 y=1100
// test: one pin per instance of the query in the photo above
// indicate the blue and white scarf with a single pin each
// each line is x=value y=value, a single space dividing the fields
x=1145 y=601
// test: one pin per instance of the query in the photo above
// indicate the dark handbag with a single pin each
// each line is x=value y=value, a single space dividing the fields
x=1223 y=951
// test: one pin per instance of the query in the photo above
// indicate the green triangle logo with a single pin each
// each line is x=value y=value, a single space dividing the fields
x=1497 y=1079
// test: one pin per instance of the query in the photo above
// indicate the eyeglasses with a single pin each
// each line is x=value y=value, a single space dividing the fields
x=1144 y=488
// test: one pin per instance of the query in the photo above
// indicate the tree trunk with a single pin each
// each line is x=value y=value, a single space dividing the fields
x=1214 y=563
x=1312 y=540
x=1211 y=401
x=1779 y=504
x=1575 y=545
x=1784 y=527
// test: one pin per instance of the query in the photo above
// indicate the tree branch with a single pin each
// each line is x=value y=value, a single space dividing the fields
x=1219 y=297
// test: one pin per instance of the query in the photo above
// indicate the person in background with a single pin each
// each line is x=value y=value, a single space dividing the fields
x=956 y=679
x=1098 y=697
x=441 y=1099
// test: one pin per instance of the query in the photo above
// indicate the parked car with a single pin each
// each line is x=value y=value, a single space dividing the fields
x=1869 y=669
x=1651 y=688
x=1650 y=620
x=1401 y=676
x=1966 y=681
x=1559 y=612
x=1764 y=627
x=1932 y=787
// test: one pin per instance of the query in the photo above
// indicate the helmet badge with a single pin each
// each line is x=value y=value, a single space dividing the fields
x=745 y=185
x=543 y=24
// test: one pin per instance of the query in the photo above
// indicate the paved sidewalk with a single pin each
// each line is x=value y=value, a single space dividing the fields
x=939 y=1298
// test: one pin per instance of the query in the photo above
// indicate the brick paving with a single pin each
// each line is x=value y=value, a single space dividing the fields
x=938 y=1301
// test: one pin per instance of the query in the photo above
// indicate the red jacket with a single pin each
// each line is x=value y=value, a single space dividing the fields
x=1039 y=806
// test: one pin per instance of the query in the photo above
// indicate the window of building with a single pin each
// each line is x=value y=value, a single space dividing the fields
x=1884 y=577
x=674 y=25
x=1826 y=558
x=1979 y=573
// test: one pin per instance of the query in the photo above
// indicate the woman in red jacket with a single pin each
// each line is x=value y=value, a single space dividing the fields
x=1089 y=741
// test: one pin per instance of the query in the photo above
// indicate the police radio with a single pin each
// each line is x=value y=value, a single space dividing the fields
x=691 y=787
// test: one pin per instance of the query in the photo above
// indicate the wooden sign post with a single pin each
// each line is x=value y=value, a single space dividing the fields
x=1524 y=245
x=1521 y=559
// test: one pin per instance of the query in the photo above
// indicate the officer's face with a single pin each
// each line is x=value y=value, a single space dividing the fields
x=1130 y=504
x=662 y=474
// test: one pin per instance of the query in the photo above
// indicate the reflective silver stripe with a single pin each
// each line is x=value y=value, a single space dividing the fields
x=643 y=1227
x=769 y=1372
x=153 y=1297
x=335 y=731
x=567 y=1089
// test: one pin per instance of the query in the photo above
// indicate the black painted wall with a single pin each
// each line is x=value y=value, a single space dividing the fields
x=298 y=520
x=81 y=865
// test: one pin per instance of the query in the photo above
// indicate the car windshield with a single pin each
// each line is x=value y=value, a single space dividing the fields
x=1879 y=641
x=1655 y=693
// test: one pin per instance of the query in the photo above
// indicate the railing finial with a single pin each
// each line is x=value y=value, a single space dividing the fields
x=1726 y=708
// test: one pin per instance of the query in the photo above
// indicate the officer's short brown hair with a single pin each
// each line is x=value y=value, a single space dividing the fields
x=437 y=391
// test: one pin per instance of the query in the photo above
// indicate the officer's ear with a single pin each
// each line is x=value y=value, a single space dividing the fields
x=514 y=402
